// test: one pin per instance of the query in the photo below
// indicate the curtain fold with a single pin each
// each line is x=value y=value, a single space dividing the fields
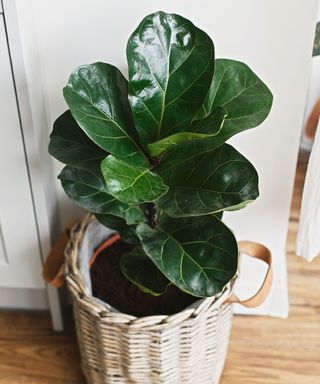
x=308 y=240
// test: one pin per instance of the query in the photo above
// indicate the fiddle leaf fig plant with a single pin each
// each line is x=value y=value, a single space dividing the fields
x=148 y=156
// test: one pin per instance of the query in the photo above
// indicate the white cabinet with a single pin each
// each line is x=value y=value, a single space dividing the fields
x=27 y=202
x=20 y=258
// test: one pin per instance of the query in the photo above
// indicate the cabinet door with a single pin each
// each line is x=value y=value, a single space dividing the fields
x=20 y=258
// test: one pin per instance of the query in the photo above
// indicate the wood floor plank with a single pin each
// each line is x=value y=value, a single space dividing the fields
x=30 y=352
x=262 y=350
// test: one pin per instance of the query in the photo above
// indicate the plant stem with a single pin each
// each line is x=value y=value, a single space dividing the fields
x=152 y=214
x=154 y=162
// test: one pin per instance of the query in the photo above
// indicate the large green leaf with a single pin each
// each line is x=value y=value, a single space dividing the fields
x=246 y=99
x=199 y=255
x=215 y=181
x=171 y=64
x=70 y=145
x=126 y=232
x=210 y=126
x=97 y=95
x=88 y=190
x=140 y=270
x=131 y=184
x=239 y=90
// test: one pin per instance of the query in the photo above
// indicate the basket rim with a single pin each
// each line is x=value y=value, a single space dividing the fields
x=80 y=291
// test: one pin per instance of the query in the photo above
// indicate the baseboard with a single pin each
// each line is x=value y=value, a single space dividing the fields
x=21 y=298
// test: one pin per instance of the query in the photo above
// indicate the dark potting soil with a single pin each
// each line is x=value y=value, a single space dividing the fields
x=111 y=286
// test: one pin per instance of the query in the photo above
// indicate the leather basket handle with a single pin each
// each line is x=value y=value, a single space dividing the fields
x=260 y=252
x=53 y=268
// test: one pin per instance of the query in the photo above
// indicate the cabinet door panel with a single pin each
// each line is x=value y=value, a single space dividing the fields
x=20 y=265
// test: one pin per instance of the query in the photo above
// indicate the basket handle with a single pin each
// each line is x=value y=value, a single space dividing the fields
x=53 y=268
x=260 y=252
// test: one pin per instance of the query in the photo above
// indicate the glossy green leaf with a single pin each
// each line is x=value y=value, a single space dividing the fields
x=126 y=232
x=246 y=99
x=131 y=184
x=171 y=64
x=316 y=44
x=86 y=189
x=97 y=95
x=199 y=255
x=210 y=126
x=219 y=180
x=141 y=271
x=70 y=145
x=239 y=90
x=187 y=151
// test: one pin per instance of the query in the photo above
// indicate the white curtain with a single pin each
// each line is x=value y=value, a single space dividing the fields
x=308 y=241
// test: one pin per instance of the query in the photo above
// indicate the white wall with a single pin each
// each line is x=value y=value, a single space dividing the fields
x=274 y=37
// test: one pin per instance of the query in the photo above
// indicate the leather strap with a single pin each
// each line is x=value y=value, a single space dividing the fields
x=260 y=252
x=53 y=268
x=313 y=120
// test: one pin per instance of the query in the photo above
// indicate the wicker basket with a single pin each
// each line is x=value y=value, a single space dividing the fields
x=188 y=347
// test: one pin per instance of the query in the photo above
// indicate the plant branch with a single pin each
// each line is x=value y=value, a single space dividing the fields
x=151 y=213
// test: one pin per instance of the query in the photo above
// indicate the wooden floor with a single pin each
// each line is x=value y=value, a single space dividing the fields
x=262 y=350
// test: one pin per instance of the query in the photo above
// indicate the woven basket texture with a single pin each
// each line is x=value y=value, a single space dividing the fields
x=189 y=347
